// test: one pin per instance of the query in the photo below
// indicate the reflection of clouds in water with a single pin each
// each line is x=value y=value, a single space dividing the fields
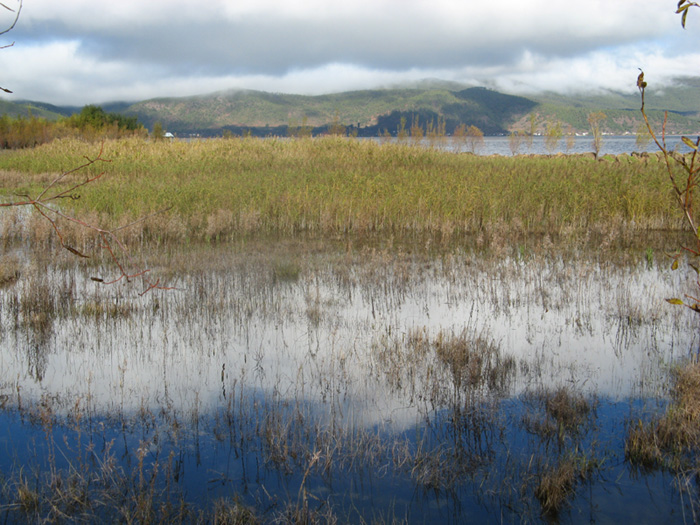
x=601 y=328
x=612 y=145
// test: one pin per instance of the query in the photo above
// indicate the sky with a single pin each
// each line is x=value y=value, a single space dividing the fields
x=78 y=52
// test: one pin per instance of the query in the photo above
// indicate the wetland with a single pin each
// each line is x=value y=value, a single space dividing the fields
x=352 y=332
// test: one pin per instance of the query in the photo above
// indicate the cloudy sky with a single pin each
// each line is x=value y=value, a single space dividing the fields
x=93 y=51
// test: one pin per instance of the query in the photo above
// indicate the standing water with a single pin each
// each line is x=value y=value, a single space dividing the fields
x=357 y=383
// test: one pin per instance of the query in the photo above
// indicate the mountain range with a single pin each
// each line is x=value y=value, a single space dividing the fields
x=377 y=111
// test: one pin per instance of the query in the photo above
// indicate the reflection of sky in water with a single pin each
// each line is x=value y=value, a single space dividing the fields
x=236 y=381
x=611 y=145
x=604 y=329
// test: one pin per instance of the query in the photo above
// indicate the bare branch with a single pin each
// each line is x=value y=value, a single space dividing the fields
x=42 y=201
x=8 y=29
x=683 y=189
x=108 y=237
x=14 y=22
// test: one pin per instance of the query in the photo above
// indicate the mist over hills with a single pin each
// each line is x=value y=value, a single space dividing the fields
x=378 y=111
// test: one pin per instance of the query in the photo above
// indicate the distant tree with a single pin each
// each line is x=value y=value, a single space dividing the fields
x=95 y=118
x=570 y=139
x=292 y=127
x=531 y=130
x=416 y=128
x=431 y=132
x=401 y=132
x=441 y=130
x=515 y=141
x=336 y=128
x=89 y=116
x=304 y=130
x=552 y=136
x=158 y=131
x=459 y=135
x=27 y=132
x=442 y=126
x=594 y=120
x=384 y=136
x=475 y=139
x=643 y=137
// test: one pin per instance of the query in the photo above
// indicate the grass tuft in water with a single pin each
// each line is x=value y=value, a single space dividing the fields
x=9 y=270
x=672 y=440
x=560 y=414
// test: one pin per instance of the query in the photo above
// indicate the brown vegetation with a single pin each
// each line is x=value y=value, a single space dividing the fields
x=672 y=440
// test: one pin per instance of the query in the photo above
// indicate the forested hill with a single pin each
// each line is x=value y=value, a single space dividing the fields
x=386 y=111
x=374 y=112
x=368 y=111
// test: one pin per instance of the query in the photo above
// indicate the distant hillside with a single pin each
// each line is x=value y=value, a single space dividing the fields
x=369 y=111
x=379 y=111
x=372 y=112
x=682 y=101
x=490 y=111
x=682 y=97
x=37 y=109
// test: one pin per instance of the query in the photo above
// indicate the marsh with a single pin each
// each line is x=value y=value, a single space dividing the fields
x=348 y=331
x=351 y=380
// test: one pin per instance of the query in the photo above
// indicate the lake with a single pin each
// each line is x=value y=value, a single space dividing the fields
x=611 y=145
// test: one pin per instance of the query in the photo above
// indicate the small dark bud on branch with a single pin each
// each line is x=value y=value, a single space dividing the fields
x=75 y=252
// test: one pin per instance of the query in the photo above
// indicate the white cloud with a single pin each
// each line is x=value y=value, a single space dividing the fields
x=98 y=51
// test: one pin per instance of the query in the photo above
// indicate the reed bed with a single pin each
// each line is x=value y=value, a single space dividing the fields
x=221 y=188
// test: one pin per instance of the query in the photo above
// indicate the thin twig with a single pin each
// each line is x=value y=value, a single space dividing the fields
x=108 y=237
x=683 y=192
x=14 y=22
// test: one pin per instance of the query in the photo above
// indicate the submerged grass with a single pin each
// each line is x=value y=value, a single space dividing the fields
x=560 y=422
x=10 y=270
x=457 y=375
x=559 y=414
x=221 y=188
x=671 y=441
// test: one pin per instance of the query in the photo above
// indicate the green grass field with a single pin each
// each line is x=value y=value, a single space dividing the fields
x=220 y=188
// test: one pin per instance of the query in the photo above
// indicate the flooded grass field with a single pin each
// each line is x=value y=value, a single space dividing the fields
x=343 y=331
x=350 y=381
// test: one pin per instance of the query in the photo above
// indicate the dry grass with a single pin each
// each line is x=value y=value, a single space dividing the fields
x=673 y=439
x=219 y=189
x=556 y=486
x=105 y=309
x=559 y=419
x=10 y=270
x=475 y=362
x=471 y=367
x=233 y=513
x=559 y=414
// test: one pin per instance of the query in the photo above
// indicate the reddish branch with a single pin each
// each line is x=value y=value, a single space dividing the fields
x=14 y=23
x=108 y=237
x=683 y=189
